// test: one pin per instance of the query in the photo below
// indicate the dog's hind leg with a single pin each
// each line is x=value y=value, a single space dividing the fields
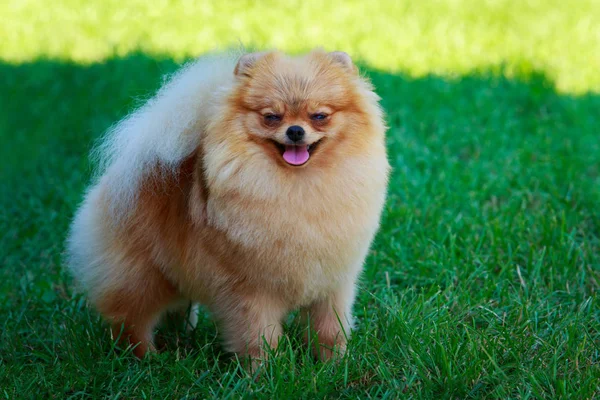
x=135 y=306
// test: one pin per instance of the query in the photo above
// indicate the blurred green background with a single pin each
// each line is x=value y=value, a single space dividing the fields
x=483 y=280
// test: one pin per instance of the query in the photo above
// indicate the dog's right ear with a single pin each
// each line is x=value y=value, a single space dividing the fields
x=344 y=60
x=246 y=62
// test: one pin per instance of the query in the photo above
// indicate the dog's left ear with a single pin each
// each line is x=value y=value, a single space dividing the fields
x=344 y=60
x=246 y=62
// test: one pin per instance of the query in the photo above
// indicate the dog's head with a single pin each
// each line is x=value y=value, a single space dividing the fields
x=293 y=118
x=299 y=110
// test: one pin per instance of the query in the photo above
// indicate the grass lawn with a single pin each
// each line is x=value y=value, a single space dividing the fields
x=483 y=281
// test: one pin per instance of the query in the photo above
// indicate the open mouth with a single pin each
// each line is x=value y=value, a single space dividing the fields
x=296 y=155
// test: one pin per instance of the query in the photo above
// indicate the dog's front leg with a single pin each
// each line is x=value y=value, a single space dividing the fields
x=331 y=319
x=251 y=323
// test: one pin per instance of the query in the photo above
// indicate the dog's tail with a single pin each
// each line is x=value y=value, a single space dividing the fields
x=159 y=135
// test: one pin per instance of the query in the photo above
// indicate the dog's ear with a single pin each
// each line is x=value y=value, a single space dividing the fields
x=344 y=60
x=246 y=62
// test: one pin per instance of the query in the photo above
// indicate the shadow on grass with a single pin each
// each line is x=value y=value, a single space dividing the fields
x=489 y=172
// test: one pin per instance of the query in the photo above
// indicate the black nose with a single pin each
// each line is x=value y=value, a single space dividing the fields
x=295 y=133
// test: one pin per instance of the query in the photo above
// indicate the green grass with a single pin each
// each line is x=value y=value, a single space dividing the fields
x=483 y=281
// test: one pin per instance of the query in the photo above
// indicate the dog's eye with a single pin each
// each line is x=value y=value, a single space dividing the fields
x=318 y=117
x=272 y=118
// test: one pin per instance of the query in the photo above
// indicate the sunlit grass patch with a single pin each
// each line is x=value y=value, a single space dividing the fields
x=558 y=38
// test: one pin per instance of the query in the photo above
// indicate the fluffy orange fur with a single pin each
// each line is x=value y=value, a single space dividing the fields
x=234 y=226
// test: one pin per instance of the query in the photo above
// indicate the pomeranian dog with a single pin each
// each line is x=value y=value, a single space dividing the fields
x=253 y=186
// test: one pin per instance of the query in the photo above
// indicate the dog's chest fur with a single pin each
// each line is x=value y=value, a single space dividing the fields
x=304 y=245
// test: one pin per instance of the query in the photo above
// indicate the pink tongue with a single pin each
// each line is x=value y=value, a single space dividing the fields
x=296 y=155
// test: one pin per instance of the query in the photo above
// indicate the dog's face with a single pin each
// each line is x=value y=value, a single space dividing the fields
x=297 y=111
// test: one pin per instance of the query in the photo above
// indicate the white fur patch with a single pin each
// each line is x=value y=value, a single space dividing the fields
x=164 y=131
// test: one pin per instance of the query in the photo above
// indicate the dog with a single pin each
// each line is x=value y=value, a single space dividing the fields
x=251 y=185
